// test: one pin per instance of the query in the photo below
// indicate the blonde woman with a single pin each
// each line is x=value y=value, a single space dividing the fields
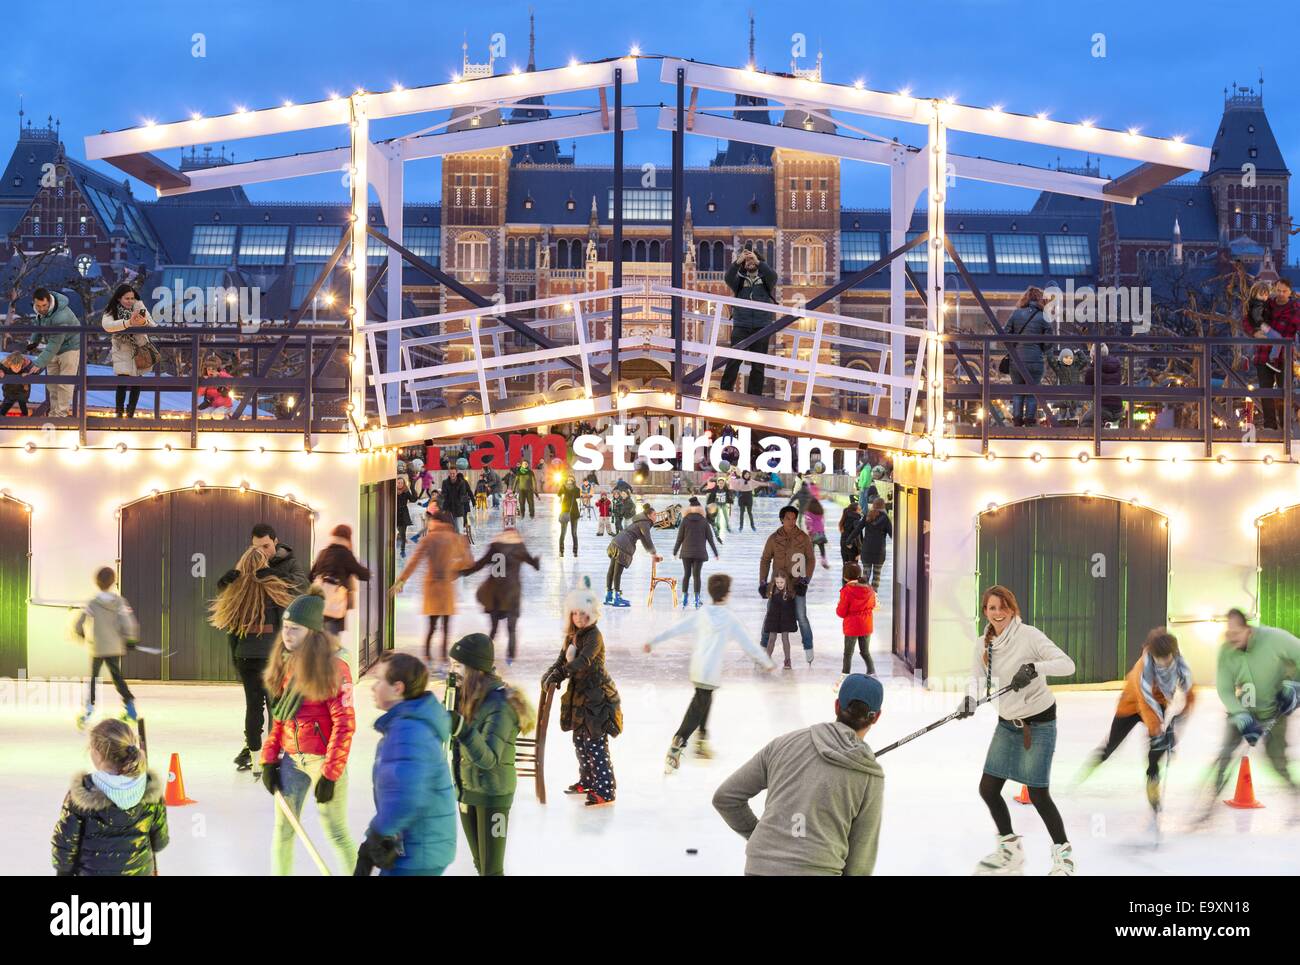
x=1024 y=741
x=250 y=601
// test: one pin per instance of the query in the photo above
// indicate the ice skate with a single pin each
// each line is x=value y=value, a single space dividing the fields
x=1062 y=861
x=809 y=655
x=786 y=666
x=85 y=716
x=673 y=760
x=698 y=604
x=594 y=800
x=575 y=788
x=1008 y=859
x=609 y=598
x=1153 y=793
x=243 y=760
x=621 y=600
x=702 y=748
x=128 y=712
x=686 y=601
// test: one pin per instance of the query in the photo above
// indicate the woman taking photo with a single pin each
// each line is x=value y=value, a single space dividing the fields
x=1012 y=652
x=249 y=603
x=311 y=730
x=485 y=725
x=133 y=354
x=590 y=707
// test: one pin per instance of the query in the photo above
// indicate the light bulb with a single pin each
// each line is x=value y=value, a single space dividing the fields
x=30 y=446
x=1084 y=457
x=1037 y=457
x=990 y=455
x=120 y=447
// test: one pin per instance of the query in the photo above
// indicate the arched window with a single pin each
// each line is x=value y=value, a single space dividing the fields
x=510 y=253
x=627 y=250
x=704 y=262
x=719 y=256
x=472 y=256
x=640 y=251
x=770 y=260
x=655 y=251
x=562 y=255
x=532 y=252
x=808 y=260
x=578 y=257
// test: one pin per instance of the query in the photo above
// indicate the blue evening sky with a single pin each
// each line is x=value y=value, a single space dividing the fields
x=105 y=66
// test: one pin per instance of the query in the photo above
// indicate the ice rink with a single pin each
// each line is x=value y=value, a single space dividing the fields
x=934 y=821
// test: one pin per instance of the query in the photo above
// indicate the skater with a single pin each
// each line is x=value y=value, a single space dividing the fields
x=313 y=721
x=413 y=831
x=694 y=540
x=875 y=529
x=1012 y=652
x=815 y=519
x=569 y=510
x=744 y=487
x=624 y=507
x=113 y=820
x=501 y=594
x=677 y=482
x=446 y=554
x=1150 y=689
x=824 y=780
x=724 y=499
x=488 y=719
x=850 y=536
x=456 y=499
x=590 y=708
x=493 y=481
x=781 y=619
x=249 y=603
x=604 y=525
x=336 y=571
x=114 y=631
x=713 y=628
x=404 y=503
x=788 y=552
x=749 y=277
x=621 y=550
x=481 y=494
x=525 y=483
x=587 y=490
x=713 y=507
x=509 y=509
x=1255 y=681
x=857 y=608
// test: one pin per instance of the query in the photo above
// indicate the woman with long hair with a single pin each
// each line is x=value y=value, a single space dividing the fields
x=312 y=724
x=123 y=316
x=446 y=555
x=875 y=529
x=488 y=719
x=250 y=601
x=501 y=594
x=1028 y=319
x=1012 y=652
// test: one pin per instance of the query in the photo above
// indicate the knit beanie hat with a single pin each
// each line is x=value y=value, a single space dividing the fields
x=307 y=611
x=475 y=651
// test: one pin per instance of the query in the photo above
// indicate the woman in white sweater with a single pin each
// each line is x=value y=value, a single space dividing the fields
x=123 y=313
x=1012 y=652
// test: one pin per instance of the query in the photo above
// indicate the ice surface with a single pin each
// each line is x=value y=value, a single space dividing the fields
x=934 y=821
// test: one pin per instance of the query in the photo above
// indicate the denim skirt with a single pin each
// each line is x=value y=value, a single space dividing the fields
x=1008 y=759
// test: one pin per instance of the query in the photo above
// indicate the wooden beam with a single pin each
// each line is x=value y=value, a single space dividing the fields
x=1144 y=178
x=150 y=169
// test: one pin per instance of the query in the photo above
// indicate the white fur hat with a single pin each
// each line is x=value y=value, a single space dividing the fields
x=582 y=599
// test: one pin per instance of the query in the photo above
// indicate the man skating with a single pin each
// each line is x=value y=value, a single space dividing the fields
x=788 y=552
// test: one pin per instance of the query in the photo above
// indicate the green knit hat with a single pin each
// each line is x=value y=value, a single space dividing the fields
x=474 y=650
x=307 y=611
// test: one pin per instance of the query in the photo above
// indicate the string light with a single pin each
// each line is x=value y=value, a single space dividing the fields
x=1084 y=457
x=1037 y=457
x=990 y=455
x=120 y=448
x=30 y=447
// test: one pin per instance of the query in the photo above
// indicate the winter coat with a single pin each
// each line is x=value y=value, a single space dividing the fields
x=125 y=342
x=856 y=608
x=590 y=705
x=288 y=567
x=713 y=627
x=60 y=316
x=780 y=553
x=509 y=504
x=1142 y=694
x=623 y=546
x=1029 y=320
x=216 y=396
x=404 y=501
x=603 y=507
x=1282 y=319
x=874 y=532
x=113 y=623
x=759 y=287
x=447 y=554
x=695 y=536
x=816 y=522
x=414 y=797
x=257 y=644
x=569 y=501
x=456 y=497
x=1111 y=374
x=18 y=391
x=94 y=836
x=337 y=564
x=624 y=507
x=850 y=534
x=781 y=615
x=823 y=779
x=486 y=750
x=1017 y=645
x=501 y=593
x=318 y=727
x=525 y=480
x=1259 y=669
x=492 y=480
x=744 y=489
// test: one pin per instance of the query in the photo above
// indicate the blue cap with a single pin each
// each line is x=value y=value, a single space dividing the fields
x=858 y=686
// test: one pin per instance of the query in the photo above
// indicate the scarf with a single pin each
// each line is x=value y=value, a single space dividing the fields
x=1000 y=640
x=124 y=790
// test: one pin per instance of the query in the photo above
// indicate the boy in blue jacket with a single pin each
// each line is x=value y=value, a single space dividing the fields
x=413 y=831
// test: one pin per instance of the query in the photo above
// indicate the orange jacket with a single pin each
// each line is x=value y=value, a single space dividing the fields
x=856 y=608
x=1132 y=702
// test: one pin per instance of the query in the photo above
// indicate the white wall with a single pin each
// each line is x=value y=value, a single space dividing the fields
x=1212 y=509
x=74 y=495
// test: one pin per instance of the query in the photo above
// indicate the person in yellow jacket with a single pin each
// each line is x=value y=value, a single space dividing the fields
x=1157 y=693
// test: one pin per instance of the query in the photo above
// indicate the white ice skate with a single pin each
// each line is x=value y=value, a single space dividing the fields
x=1062 y=861
x=673 y=760
x=1008 y=859
x=85 y=716
x=702 y=748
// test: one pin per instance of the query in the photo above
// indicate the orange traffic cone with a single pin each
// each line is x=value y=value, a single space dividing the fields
x=1023 y=796
x=1245 y=796
x=175 y=796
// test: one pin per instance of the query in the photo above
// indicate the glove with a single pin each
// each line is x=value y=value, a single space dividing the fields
x=1288 y=698
x=801 y=587
x=271 y=777
x=762 y=590
x=382 y=851
x=324 y=791
x=1022 y=677
x=966 y=708
x=1250 y=727
x=1165 y=740
x=364 y=865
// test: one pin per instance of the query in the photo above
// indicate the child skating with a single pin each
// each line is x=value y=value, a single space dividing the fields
x=509 y=509
x=857 y=609
x=815 y=520
x=621 y=550
x=604 y=520
x=114 y=630
x=713 y=627
x=781 y=618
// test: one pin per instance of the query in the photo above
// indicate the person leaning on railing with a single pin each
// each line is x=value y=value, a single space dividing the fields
x=62 y=353
x=1281 y=320
x=133 y=354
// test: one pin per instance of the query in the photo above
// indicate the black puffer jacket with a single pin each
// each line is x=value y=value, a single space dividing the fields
x=695 y=536
x=759 y=287
x=96 y=837
x=874 y=533
x=456 y=496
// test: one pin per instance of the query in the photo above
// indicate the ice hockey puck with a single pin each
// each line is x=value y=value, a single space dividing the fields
x=692 y=850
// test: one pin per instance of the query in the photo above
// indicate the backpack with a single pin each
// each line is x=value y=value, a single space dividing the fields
x=336 y=598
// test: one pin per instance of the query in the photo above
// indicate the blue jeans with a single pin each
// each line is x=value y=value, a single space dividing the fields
x=1025 y=407
x=805 y=628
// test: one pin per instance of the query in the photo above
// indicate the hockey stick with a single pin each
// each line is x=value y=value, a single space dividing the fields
x=294 y=823
x=939 y=723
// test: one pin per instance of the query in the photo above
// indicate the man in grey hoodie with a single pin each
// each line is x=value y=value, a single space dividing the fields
x=824 y=793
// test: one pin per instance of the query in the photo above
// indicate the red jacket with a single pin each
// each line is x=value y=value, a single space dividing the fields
x=856 y=608
x=603 y=505
x=320 y=727
x=1283 y=319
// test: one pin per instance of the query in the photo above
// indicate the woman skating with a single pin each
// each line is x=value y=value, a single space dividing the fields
x=744 y=487
x=694 y=540
x=1012 y=652
x=446 y=554
x=590 y=708
x=501 y=593
x=488 y=719
x=875 y=530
